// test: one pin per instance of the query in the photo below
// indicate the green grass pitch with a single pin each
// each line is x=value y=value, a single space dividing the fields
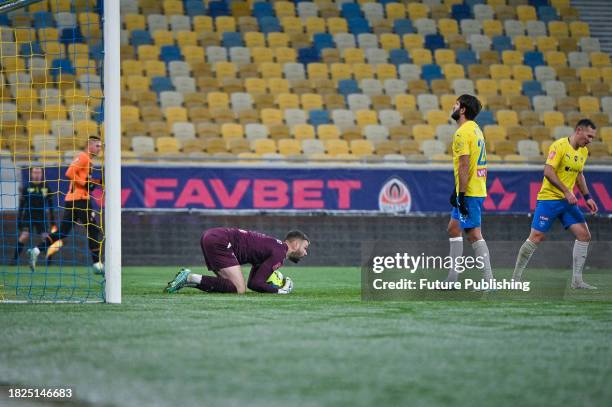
x=321 y=345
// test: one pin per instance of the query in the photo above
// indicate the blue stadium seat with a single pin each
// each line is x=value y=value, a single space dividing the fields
x=461 y=11
x=399 y=56
x=319 y=117
x=96 y=51
x=351 y=10
x=485 y=118
x=98 y=114
x=308 y=55
x=532 y=88
x=218 y=8
x=472 y=3
x=502 y=43
x=347 y=87
x=161 y=84
x=63 y=66
x=269 y=24
x=466 y=57
x=322 y=41
x=431 y=72
x=385 y=2
x=71 y=36
x=403 y=26
x=261 y=9
x=31 y=48
x=538 y=3
x=4 y=20
x=43 y=19
x=232 y=39
x=170 y=53
x=434 y=42
x=141 y=37
x=358 y=26
x=195 y=8
x=547 y=14
x=533 y=59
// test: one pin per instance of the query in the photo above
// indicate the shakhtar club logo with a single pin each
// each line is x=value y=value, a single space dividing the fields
x=394 y=196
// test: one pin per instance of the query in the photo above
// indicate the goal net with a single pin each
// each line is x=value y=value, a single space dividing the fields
x=51 y=112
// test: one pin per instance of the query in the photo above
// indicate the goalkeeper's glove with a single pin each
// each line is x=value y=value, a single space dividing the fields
x=93 y=183
x=287 y=288
x=53 y=228
x=453 y=198
x=461 y=205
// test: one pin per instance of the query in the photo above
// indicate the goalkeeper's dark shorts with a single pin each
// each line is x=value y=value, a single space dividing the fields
x=33 y=221
x=217 y=250
x=80 y=211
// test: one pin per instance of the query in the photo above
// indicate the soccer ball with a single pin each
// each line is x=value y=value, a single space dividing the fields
x=276 y=279
x=98 y=268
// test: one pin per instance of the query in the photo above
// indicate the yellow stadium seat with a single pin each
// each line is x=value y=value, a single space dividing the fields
x=38 y=126
x=173 y=7
x=224 y=70
x=341 y=71
x=311 y=101
x=48 y=34
x=386 y=71
x=286 y=101
x=315 y=25
x=558 y=29
x=292 y=24
x=53 y=49
x=148 y=52
x=271 y=116
x=303 y=131
x=405 y=102
x=86 y=128
x=167 y=145
x=494 y=133
x=131 y=67
x=232 y=131
x=175 y=114
x=284 y=8
x=417 y=11
x=510 y=57
x=217 y=100
x=185 y=38
x=134 y=22
x=600 y=59
x=25 y=34
x=560 y=3
x=444 y=56
x=163 y=37
x=526 y=13
x=202 y=24
x=270 y=70
x=437 y=117
x=264 y=146
x=447 y=102
x=137 y=82
x=361 y=147
x=555 y=59
x=453 y=71
x=254 y=39
x=353 y=55
x=289 y=147
x=507 y=118
x=589 y=74
x=421 y=56
x=262 y=55
x=225 y=24
x=154 y=68
x=130 y=114
x=422 y=132
x=335 y=147
x=285 y=55
x=328 y=132
x=366 y=117
x=337 y=25
x=579 y=29
x=389 y=41
x=395 y=11
x=448 y=26
x=606 y=74
x=553 y=119
x=486 y=87
x=524 y=43
x=545 y=43
x=317 y=71
x=499 y=71
x=277 y=86
x=522 y=73
x=588 y=104
x=193 y=53
x=412 y=41
x=255 y=86
x=510 y=87
x=492 y=28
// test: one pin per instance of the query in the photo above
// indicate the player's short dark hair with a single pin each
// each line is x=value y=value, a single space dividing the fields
x=94 y=138
x=296 y=234
x=585 y=124
x=471 y=104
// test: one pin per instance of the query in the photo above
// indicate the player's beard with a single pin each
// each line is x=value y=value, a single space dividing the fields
x=455 y=115
x=294 y=257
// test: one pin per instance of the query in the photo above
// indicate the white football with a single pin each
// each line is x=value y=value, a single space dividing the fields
x=98 y=268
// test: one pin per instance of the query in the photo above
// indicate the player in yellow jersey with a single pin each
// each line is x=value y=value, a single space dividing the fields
x=470 y=170
x=556 y=200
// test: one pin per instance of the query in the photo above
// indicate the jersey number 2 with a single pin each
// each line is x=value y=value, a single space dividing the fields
x=482 y=157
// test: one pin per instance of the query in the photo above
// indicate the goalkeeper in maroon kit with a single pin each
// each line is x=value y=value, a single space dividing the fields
x=225 y=249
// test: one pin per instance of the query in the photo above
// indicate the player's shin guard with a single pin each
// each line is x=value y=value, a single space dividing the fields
x=524 y=254
x=216 y=285
x=456 y=251
x=482 y=250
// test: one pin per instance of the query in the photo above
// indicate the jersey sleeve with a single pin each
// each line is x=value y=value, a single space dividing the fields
x=555 y=154
x=77 y=171
x=258 y=278
x=460 y=145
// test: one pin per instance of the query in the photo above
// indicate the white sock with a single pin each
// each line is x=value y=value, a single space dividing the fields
x=482 y=250
x=194 y=278
x=36 y=251
x=524 y=254
x=579 y=255
x=456 y=251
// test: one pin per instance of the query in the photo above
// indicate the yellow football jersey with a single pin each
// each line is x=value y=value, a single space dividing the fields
x=568 y=163
x=468 y=140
